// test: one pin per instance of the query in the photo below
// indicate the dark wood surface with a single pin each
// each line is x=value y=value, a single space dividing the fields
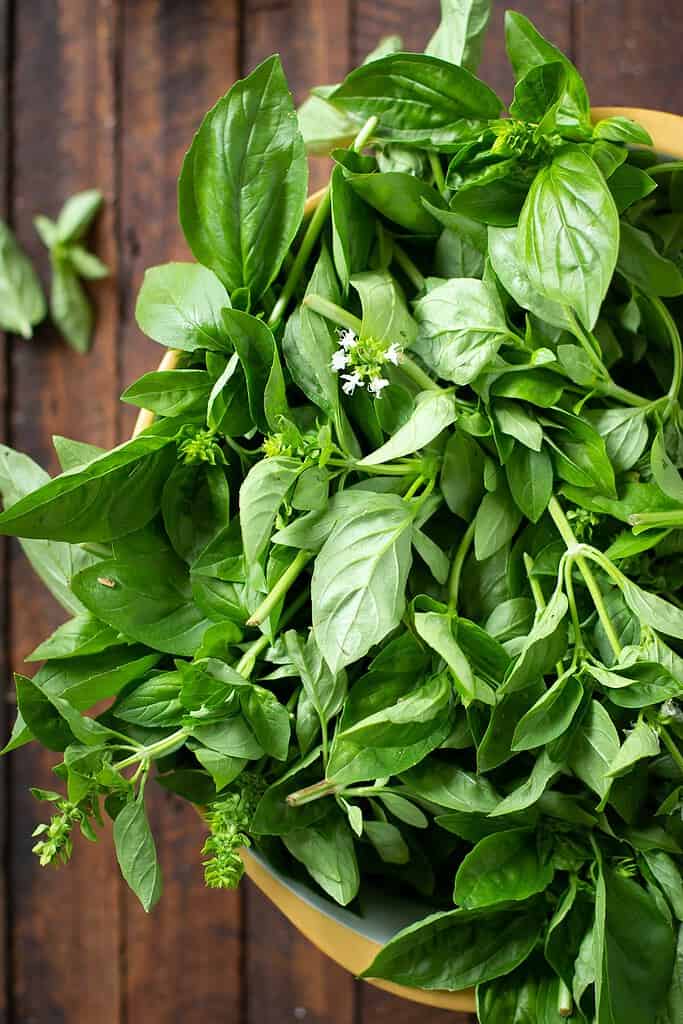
x=108 y=93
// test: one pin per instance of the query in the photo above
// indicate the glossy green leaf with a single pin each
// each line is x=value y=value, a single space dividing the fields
x=180 y=305
x=136 y=853
x=503 y=866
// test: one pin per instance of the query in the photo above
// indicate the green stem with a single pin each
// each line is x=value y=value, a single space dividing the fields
x=310 y=793
x=246 y=663
x=437 y=171
x=312 y=233
x=612 y=390
x=154 y=749
x=672 y=747
x=671 y=518
x=456 y=568
x=408 y=267
x=331 y=311
x=676 y=351
x=289 y=576
x=567 y=534
x=539 y=599
x=587 y=342
x=565 y=1004
x=407 y=468
x=571 y=599
x=417 y=374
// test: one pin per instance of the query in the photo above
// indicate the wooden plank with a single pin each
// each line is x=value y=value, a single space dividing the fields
x=66 y=924
x=5 y=51
x=177 y=59
x=630 y=52
x=287 y=978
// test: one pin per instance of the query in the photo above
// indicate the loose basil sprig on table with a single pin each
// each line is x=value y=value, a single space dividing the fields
x=391 y=586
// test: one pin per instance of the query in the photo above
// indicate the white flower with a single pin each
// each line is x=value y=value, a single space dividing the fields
x=351 y=382
x=393 y=354
x=377 y=385
x=347 y=339
x=339 y=360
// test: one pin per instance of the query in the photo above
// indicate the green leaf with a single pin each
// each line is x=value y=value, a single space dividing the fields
x=502 y=866
x=70 y=306
x=411 y=719
x=74 y=453
x=324 y=689
x=126 y=483
x=268 y=718
x=433 y=412
x=359 y=580
x=155 y=703
x=457 y=948
x=22 y=303
x=580 y=453
x=516 y=421
x=461 y=327
x=77 y=214
x=40 y=715
x=180 y=305
x=629 y=185
x=150 y=601
x=353 y=231
x=543 y=647
x=447 y=785
x=437 y=631
x=550 y=716
x=594 y=749
x=665 y=473
x=642 y=742
x=569 y=234
x=80 y=636
x=414 y=91
x=460 y=35
x=326 y=851
x=640 y=685
x=385 y=314
x=231 y=737
x=632 y=977
x=263 y=491
x=243 y=183
x=195 y=505
x=528 y=49
x=388 y=842
x=642 y=265
x=496 y=522
x=170 y=392
x=622 y=129
x=530 y=791
x=530 y=479
x=84 y=681
x=625 y=434
x=222 y=768
x=653 y=610
x=462 y=474
x=136 y=853
x=538 y=95
x=400 y=197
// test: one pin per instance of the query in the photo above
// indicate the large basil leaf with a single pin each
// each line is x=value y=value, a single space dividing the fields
x=261 y=495
x=458 y=948
x=326 y=851
x=136 y=852
x=461 y=327
x=77 y=638
x=401 y=197
x=243 y=183
x=171 y=392
x=568 y=236
x=180 y=304
x=510 y=271
x=502 y=866
x=125 y=484
x=594 y=749
x=148 y=599
x=359 y=580
x=414 y=91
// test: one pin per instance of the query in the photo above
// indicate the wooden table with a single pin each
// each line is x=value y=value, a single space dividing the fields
x=108 y=93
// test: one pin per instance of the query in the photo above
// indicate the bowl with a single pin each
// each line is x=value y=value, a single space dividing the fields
x=352 y=938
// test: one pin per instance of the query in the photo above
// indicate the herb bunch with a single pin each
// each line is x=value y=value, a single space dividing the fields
x=391 y=587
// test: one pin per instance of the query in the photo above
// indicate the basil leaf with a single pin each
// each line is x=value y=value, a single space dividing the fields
x=462 y=475
x=569 y=234
x=77 y=214
x=359 y=579
x=410 y=720
x=263 y=491
x=70 y=306
x=531 y=791
x=150 y=601
x=255 y=345
x=642 y=265
x=461 y=327
x=449 y=786
x=353 y=231
x=496 y=522
x=414 y=91
x=78 y=637
x=460 y=35
x=22 y=303
x=155 y=703
x=510 y=271
x=326 y=851
x=40 y=715
x=502 y=866
x=457 y=948
x=550 y=716
x=400 y=197
x=325 y=690
x=385 y=314
x=136 y=853
x=625 y=434
x=126 y=483
x=170 y=392
x=180 y=306
x=387 y=841
x=530 y=479
x=437 y=631
x=594 y=749
x=241 y=203
x=433 y=412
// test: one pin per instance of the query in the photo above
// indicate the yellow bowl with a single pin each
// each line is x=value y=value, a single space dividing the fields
x=353 y=939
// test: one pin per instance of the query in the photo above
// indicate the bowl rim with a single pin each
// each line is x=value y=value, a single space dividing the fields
x=344 y=936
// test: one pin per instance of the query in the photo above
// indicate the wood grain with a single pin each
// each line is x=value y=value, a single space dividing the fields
x=5 y=689
x=177 y=59
x=630 y=52
x=66 y=926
